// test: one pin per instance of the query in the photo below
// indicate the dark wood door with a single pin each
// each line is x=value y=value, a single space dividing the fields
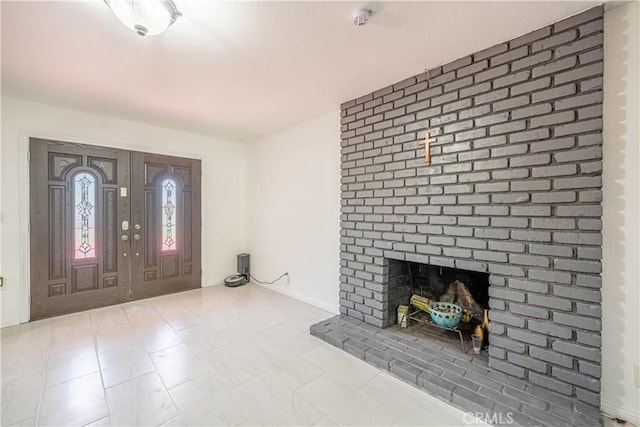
x=77 y=258
x=108 y=226
x=166 y=244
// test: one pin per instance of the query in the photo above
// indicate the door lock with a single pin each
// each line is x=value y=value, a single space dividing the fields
x=124 y=237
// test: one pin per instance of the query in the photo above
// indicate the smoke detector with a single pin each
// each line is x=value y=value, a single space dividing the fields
x=361 y=17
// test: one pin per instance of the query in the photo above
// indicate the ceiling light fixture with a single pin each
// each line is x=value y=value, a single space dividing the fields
x=145 y=17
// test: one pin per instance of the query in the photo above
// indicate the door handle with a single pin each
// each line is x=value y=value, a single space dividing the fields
x=124 y=237
x=136 y=237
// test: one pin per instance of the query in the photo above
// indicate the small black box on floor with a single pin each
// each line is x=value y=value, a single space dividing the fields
x=243 y=265
x=244 y=272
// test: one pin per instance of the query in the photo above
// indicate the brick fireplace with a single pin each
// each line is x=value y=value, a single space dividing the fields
x=513 y=191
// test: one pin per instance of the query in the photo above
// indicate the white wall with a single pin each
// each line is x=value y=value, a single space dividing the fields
x=621 y=184
x=222 y=186
x=293 y=209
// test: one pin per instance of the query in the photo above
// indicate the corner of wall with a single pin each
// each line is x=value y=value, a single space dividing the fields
x=620 y=319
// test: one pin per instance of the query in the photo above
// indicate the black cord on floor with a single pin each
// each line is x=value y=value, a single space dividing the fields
x=267 y=283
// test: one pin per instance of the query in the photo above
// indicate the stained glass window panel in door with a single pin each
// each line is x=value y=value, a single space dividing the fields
x=84 y=205
x=169 y=215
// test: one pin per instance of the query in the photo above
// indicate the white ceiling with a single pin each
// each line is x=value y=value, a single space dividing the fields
x=237 y=70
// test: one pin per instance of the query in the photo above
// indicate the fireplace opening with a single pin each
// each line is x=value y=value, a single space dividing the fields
x=467 y=289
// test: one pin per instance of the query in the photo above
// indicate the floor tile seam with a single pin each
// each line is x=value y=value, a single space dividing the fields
x=52 y=351
x=294 y=393
x=270 y=346
x=320 y=342
x=168 y=321
x=99 y=419
x=362 y=397
x=14 y=378
x=117 y=348
x=178 y=329
x=198 y=353
x=271 y=327
x=94 y=322
x=95 y=329
x=371 y=379
x=46 y=374
x=22 y=423
x=126 y=314
x=180 y=410
x=40 y=392
x=311 y=380
x=201 y=354
x=173 y=419
x=105 y=388
x=324 y=371
x=166 y=390
x=73 y=379
x=245 y=419
x=166 y=386
x=149 y=353
x=299 y=396
x=139 y=330
x=209 y=372
x=330 y=419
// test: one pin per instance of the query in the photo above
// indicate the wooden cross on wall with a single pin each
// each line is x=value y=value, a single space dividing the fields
x=427 y=146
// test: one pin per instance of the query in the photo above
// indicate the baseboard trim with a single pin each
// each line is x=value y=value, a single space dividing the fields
x=10 y=321
x=216 y=283
x=303 y=298
x=613 y=410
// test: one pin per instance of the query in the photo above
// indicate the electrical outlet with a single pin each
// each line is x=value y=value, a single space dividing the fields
x=636 y=376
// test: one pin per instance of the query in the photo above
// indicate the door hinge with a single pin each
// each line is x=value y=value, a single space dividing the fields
x=28 y=228
x=28 y=156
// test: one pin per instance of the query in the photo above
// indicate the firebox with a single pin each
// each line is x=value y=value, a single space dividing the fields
x=468 y=289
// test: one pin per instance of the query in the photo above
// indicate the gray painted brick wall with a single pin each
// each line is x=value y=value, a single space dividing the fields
x=514 y=188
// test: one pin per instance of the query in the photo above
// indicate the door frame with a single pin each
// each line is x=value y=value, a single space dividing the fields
x=24 y=188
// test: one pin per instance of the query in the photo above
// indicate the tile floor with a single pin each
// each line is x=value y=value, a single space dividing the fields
x=212 y=356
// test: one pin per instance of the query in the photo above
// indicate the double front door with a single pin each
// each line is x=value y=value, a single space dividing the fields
x=108 y=226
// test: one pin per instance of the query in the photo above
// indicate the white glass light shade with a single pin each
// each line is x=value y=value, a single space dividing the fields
x=145 y=17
